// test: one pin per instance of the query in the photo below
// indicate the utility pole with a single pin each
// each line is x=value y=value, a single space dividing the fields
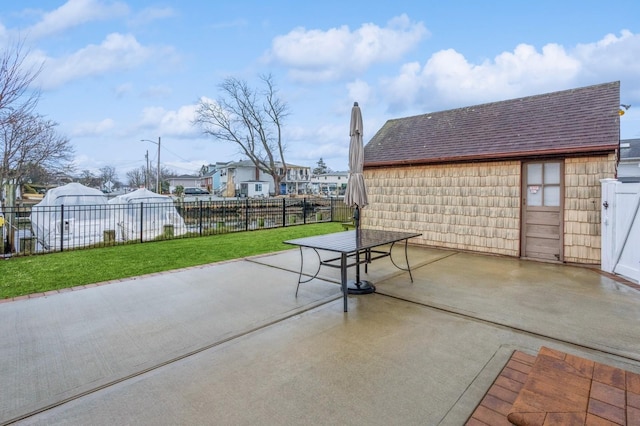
x=158 y=187
x=146 y=175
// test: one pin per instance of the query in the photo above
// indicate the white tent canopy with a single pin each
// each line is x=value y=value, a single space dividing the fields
x=145 y=214
x=70 y=216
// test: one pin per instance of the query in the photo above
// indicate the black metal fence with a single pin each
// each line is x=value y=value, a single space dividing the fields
x=38 y=229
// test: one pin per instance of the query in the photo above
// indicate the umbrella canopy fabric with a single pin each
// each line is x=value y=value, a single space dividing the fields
x=356 y=194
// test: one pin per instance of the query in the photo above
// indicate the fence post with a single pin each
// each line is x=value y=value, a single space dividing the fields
x=141 y=221
x=246 y=214
x=200 y=217
x=61 y=227
x=331 y=209
x=284 y=213
x=304 y=210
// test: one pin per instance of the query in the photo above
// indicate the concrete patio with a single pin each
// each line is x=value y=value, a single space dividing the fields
x=229 y=343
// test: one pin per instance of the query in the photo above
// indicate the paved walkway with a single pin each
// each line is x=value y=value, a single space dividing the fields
x=230 y=343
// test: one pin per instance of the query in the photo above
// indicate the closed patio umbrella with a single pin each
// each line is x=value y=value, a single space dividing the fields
x=356 y=193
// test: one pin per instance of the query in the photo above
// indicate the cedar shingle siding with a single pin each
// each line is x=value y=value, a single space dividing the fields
x=456 y=176
x=461 y=206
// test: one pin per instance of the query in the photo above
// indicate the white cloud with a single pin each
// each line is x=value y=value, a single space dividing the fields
x=171 y=123
x=4 y=35
x=316 y=55
x=151 y=14
x=74 y=13
x=92 y=129
x=360 y=91
x=117 y=52
x=612 y=55
x=448 y=80
x=307 y=144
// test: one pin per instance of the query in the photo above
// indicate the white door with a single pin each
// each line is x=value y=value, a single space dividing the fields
x=621 y=228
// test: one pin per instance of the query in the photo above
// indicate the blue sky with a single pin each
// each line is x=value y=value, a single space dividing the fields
x=116 y=72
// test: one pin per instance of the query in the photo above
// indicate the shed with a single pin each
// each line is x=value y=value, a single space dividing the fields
x=254 y=188
x=519 y=177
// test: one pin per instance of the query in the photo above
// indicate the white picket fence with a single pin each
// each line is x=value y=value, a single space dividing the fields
x=621 y=228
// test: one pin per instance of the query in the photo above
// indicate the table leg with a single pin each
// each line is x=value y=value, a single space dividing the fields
x=343 y=278
x=406 y=258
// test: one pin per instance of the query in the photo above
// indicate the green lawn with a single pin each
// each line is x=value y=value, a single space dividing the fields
x=40 y=273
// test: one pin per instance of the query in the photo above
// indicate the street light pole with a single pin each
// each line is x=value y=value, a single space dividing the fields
x=146 y=172
x=158 y=188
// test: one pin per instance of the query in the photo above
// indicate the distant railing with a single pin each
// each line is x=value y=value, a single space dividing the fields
x=37 y=229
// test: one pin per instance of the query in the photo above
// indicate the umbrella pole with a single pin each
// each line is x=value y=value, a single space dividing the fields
x=357 y=286
x=356 y=222
x=356 y=217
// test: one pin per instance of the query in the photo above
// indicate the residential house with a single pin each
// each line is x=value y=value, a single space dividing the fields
x=629 y=167
x=332 y=183
x=254 y=189
x=519 y=177
x=186 y=181
x=233 y=174
x=210 y=175
x=297 y=181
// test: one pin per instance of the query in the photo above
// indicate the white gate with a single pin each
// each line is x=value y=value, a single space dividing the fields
x=621 y=228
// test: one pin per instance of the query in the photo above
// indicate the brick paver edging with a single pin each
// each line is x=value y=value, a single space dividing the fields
x=497 y=402
x=556 y=388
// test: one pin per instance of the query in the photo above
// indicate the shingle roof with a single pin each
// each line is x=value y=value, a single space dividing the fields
x=582 y=120
x=630 y=152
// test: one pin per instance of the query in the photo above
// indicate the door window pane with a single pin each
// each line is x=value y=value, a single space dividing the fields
x=534 y=174
x=534 y=195
x=552 y=196
x=552 y=173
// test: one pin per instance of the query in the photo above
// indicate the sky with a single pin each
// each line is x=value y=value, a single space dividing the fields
x=115 y=73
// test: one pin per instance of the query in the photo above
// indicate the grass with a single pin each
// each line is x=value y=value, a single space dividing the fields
x=41 y=273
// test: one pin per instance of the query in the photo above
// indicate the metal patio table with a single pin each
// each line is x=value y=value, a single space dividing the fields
x=350 y=245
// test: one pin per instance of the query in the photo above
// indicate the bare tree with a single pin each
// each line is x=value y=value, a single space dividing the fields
x=15 y=82
x=136 y=178
x=38 y=175
x=252 y=120
x=108 y=174
x=88 y=178
x=27 y=140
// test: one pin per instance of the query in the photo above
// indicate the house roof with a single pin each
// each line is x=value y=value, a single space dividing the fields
x=582 y=120
x=630 y=152
x=249 y=163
